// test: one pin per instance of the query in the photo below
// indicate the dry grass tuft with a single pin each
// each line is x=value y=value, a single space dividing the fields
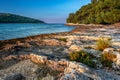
x=103 y=43
x=62 y=39
x=107 y=59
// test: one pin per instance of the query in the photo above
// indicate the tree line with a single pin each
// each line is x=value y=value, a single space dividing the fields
x=97 y=12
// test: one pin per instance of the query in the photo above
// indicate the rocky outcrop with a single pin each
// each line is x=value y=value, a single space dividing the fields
x=115 y=56
x=53 y=64
x=74 y=70
x=23 y=69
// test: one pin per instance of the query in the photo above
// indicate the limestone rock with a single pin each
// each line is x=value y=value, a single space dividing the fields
x=116 y=64
x=74 y=75
x=93 y=52
x=69 y=43
x=48 y=77
x=75 y=71
x=75 y=48
x=55 y=65
x=51 y=42
x=118 y=59
x=38 y=59
x=78 y=71
x=108 y=50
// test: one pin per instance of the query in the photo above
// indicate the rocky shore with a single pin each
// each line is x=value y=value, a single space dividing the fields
x=47 y=56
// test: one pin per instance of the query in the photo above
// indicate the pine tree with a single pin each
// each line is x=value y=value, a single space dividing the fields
x=93 y=1
x=97 y=12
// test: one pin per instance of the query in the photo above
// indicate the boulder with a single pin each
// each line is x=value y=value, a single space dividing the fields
x=108 y=50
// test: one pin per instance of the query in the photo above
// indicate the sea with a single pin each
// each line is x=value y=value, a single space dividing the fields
x=20 y=30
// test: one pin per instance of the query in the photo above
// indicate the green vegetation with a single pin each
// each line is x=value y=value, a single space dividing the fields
x=82 y=57
x=97 y=12
x=103 y=43
x=46 y=72
x=107 y=59
x=11 y=18
x=62 y=39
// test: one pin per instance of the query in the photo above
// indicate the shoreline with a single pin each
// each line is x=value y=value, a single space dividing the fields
x=77 y=28
x=22 y=55
x=40 y=35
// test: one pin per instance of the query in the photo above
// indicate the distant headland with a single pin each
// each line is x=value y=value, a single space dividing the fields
x=13 y=18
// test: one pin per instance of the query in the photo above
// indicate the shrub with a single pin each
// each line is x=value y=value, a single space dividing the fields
x=82 y=57
x=62 y=39
x=103 y=43
x=107 y=59
x=74 y=56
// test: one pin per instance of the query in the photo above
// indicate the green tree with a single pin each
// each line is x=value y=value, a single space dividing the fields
x=97 y=12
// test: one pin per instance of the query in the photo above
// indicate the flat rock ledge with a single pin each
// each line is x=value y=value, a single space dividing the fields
x=74 y=70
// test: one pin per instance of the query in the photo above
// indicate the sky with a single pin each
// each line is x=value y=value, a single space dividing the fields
x=50 y=11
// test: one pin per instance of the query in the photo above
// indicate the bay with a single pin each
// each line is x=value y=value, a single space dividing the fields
x=19 y=30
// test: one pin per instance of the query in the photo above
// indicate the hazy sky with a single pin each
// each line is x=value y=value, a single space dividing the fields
x=51 y=11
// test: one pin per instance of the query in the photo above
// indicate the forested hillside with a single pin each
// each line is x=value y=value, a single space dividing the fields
x=12 y=18
x=97 y=12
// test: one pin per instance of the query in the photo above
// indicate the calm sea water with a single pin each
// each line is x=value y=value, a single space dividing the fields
x=11 y=31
